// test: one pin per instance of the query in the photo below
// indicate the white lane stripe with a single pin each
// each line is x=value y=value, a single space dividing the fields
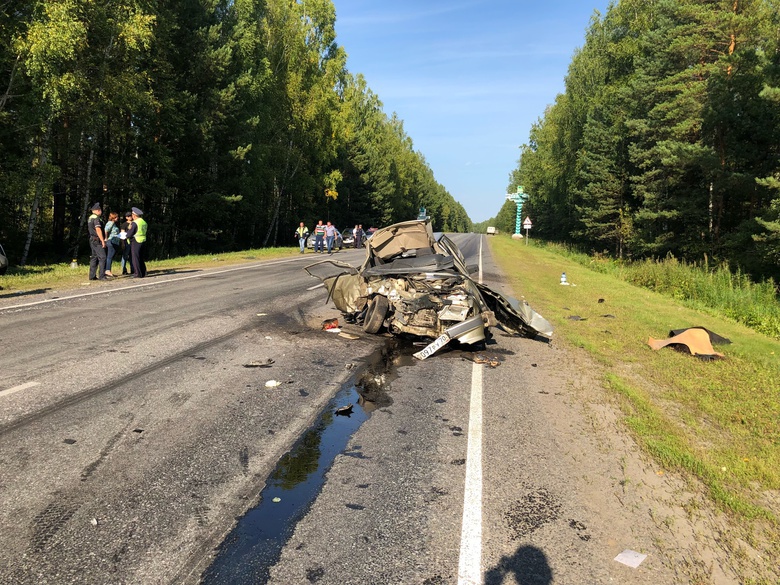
x=19 y=388
x=480 y=259
x=150 y=283
x=470 y=566
x=316 y=286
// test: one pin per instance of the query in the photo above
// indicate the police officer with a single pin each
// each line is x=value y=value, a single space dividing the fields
x=136 y=234
x=97 y=244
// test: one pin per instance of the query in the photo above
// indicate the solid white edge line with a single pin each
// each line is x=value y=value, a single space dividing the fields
x=480 y=259
x=20 y=387
x=151 y=283
x=470 y=565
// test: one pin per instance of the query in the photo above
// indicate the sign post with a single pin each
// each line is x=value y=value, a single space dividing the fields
x=527 y=225
x=518 y=199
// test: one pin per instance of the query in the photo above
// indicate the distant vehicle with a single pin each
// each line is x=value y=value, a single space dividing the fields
x=491 y=231
x=347 y=237
x=3 y=261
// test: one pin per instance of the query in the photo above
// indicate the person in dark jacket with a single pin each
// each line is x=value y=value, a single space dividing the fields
x=97 y=244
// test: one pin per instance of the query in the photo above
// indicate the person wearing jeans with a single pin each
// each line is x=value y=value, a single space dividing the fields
x=330 y=235
x=302 y=233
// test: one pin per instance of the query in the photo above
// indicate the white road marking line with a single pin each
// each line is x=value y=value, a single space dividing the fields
x=480 y=259
x=19 y=388
x=150 y=283
x=316 y=286
x=470 y=565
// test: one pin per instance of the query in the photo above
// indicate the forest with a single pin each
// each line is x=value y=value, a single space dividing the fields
x=226 y=121
x=666 y=140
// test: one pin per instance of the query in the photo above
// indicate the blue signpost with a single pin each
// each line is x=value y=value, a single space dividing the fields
x=518 y=199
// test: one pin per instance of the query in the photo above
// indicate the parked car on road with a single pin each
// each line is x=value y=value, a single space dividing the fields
x=414 y=282
x=338 y=243
x=3 y=261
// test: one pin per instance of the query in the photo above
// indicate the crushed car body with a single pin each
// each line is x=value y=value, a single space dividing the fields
x=416 y=282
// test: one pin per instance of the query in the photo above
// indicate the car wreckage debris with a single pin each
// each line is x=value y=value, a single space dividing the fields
x=414 y=282
x=695 y=340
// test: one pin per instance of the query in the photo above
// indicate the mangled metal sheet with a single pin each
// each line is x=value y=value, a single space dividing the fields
x=416 y=282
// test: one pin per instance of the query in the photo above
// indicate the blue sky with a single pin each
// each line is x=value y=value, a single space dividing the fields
x=467 y=77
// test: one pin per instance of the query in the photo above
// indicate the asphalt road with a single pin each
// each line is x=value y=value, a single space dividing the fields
x=133 y=436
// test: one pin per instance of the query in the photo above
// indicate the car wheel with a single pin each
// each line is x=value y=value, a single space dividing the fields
x=375 y=315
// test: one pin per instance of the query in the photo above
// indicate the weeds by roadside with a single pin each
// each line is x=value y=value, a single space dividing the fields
x=57 y=276
x=705 y=287
x=715 y=422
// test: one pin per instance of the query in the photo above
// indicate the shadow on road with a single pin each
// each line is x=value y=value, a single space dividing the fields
x=24 y=293
x=528 y=565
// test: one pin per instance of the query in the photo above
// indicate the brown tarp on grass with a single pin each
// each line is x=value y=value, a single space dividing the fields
x=696 y=340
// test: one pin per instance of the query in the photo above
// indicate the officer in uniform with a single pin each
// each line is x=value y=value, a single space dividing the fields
x=97 y=244
x=136 y=234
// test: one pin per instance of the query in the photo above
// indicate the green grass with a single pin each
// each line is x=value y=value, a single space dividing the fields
x=59 y=276
x=717 y=422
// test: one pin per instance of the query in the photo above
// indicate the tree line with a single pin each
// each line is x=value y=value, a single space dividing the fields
x=226 y=121
x=666 y=139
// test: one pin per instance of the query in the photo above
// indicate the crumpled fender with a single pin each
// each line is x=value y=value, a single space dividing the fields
x=515 y=317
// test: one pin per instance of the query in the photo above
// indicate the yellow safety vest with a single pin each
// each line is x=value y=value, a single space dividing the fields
x=140 y=235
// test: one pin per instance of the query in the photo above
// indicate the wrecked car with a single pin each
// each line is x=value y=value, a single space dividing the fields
x=417 y=283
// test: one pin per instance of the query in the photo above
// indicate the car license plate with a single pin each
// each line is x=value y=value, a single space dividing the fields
x=433 y=347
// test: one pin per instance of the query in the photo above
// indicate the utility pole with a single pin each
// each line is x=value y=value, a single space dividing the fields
x=518 y=198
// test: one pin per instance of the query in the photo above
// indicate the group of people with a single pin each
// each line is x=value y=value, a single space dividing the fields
x=126 y=239
x=325 y=236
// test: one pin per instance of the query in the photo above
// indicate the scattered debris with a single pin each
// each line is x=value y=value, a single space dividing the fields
x=601 y=300
x=488 y=360
x=69 y=441
x=695 y=340
x=260 y=364
x=348 y=335
x=262 y=314
x=344 y=410
x=609 y=316
x=333 y=330
x=631 y=558
x=94 y=522
x=330 y=324
x=273 y=384
x=576 y=318
x=715 y=339
x=277 y=499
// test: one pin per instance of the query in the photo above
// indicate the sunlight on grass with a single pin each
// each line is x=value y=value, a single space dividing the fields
x=62 y=276
x=716 y=420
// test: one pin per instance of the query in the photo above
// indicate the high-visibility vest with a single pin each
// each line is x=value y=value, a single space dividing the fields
x=140 y=235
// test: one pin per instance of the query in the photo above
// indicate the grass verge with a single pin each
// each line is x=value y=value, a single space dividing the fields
x=62 y=276
x=717 y=421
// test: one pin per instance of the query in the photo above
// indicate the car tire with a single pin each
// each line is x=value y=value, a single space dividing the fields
x=375 y=315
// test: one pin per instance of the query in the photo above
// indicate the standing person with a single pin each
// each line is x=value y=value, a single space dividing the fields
x=97 y=244
x=127 y=265
x=302 y=233
x=137 y=236
x=330 y=235
x=359 y=235
x=112 y=240
x=319 y=235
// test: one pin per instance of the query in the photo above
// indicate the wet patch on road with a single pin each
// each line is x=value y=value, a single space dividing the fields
x=256 y=543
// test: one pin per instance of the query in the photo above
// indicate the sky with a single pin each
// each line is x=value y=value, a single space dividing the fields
x=468 y=78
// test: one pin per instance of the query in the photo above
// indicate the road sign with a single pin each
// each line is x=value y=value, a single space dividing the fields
x=527 y=223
